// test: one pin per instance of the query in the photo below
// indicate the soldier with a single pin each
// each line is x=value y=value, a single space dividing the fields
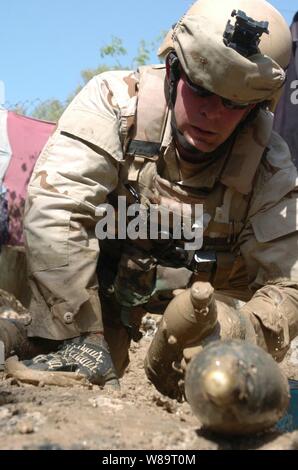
x=196 y=131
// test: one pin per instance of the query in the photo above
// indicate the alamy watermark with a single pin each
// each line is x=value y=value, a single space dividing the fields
x=294 y=94
x=155 y=222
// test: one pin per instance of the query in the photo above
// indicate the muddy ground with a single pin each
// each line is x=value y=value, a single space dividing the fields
x=138 y=417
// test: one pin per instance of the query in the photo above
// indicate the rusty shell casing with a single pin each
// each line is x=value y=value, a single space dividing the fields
x=191 y=315
x=236 y=388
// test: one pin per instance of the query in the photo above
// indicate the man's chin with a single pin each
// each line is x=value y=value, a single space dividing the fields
x=201 y=145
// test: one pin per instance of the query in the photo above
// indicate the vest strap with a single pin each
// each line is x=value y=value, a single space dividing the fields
x=149 y=150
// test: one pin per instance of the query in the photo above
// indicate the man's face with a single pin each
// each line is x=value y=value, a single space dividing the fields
x=204 y=121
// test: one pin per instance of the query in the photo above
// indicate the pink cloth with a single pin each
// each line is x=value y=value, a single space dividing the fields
x=27 y=138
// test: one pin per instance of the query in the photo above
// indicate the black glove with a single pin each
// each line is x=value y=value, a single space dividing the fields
x=88 y=355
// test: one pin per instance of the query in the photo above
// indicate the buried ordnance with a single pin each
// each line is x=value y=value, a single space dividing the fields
x=235 y=387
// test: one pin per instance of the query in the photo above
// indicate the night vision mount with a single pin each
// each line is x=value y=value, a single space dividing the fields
x=245 y=36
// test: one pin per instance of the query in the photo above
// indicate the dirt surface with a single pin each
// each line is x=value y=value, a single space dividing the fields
x=137 y=417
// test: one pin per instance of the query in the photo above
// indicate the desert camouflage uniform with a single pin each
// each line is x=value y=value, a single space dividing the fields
x=249 y=193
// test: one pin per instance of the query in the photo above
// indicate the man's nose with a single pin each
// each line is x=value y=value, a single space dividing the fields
x=211 y=107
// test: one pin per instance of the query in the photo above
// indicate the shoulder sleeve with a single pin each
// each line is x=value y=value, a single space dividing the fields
x=99 y=113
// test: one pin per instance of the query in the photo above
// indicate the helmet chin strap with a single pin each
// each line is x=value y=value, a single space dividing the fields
x=182 y=142
x=173 y=76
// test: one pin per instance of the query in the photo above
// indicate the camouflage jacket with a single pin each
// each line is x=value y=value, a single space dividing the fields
x=83 y=163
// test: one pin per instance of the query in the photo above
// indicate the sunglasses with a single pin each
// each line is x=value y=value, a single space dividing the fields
x=203 y=93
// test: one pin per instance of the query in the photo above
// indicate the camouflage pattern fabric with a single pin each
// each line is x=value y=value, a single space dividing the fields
x=251 y=186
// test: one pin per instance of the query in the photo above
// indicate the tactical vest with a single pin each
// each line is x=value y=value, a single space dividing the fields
x=151 y=171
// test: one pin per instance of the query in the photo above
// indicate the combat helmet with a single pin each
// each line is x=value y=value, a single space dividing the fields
x=212 y=42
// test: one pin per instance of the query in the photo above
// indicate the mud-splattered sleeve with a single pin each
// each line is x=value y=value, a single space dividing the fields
x=269 y=245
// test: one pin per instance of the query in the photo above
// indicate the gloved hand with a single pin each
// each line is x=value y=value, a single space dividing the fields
x=88 y=355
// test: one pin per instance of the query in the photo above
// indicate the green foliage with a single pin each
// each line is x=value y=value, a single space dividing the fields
x=143 y=56
x=87 y=74
x=51 y=110
x=20 y=109
x=114 y=49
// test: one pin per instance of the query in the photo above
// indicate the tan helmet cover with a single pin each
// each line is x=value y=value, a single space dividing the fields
x=198 y=42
